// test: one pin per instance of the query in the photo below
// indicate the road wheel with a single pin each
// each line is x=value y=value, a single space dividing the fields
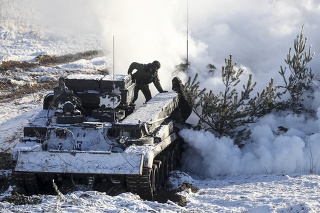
x=155 y=178
x=160 y=183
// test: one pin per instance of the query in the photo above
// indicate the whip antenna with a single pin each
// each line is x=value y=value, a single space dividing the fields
x=113 y=63
x=187 y=33
x=113 y=84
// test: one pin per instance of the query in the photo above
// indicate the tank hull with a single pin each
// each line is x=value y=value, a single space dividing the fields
x=77 y=139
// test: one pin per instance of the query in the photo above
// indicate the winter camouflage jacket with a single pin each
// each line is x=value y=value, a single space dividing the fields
x=145 y=74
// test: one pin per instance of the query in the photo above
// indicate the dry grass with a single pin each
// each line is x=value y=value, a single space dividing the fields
x=49 y=60
x=10 y=65
x=15 y=91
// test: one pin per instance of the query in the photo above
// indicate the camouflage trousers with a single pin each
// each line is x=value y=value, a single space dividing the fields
x=144 y=89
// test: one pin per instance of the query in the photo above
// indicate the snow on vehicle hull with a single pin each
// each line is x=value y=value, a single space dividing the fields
x=79 y=163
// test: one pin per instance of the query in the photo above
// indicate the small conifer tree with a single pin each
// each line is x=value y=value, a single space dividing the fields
x=182 y=67
x=211 y=68
x=299 y=82
x=228 y=112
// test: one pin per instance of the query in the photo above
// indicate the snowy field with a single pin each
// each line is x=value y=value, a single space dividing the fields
x=241 y=193
x=277 y=173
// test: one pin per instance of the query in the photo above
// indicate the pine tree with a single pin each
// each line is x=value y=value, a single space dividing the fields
x=299 y=82
x=182 y=67
x=228 y=112
x=211 y=68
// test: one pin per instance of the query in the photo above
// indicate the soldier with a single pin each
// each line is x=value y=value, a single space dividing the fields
x=144 y=75
x=184 y=109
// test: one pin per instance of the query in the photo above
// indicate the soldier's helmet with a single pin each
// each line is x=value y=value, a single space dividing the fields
x=156 y=64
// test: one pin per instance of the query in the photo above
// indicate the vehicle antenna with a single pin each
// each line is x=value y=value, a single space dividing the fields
x=113 y=84
x=187 y=34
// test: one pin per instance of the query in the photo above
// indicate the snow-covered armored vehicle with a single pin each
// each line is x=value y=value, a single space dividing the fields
x=88 y=133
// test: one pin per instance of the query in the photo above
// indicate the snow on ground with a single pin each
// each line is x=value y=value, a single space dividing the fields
x=295 y=190
x=238 y=193
x=14 y=115
x=256 y=193
x=25 y=44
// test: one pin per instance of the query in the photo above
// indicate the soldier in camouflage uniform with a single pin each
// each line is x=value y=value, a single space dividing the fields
x=143 y=76
x=184 y=109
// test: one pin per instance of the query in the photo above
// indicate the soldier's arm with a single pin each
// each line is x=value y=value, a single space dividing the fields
x=134 y=66
x=157 y=84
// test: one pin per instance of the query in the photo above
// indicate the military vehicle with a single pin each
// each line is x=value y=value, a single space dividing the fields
x=90 y=134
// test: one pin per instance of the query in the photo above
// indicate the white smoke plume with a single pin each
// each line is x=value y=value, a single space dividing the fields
x=297 y=150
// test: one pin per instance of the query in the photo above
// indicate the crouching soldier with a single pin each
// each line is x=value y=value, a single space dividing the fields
x=184 y=109
x=143 y=76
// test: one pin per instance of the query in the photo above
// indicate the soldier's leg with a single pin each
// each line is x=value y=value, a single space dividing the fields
x=136 y=92
x=146 y=92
